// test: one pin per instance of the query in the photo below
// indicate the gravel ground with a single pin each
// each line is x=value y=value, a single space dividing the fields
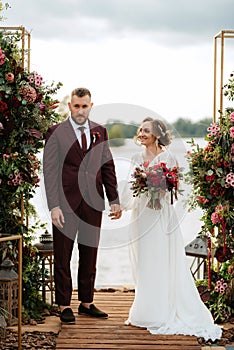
x=227 y=339
x=30 y=340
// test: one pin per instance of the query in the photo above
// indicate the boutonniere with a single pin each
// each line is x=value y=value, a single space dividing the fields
x=95 y=135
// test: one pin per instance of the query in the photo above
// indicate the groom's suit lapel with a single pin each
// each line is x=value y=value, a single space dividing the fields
x=94 y=142
x=74 y=143
x=72 y=139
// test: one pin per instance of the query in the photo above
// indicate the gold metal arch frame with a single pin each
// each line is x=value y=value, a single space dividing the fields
x=222 y=35
x=25 y=43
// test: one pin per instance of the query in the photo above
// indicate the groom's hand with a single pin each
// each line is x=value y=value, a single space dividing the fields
x=57 y=217
x=116 y=212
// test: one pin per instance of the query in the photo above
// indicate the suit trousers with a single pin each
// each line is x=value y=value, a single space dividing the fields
x=85 y=221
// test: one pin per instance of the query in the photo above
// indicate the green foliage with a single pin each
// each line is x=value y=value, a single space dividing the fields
x=116 y=135
x=211 y=174
x=32 y=282
x=183 y=127
x=128 y=131
x=220 y=299
x=187 y=128
x=27 y=109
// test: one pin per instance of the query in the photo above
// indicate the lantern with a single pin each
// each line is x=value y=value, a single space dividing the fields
x=46 y=252
x=9 y=287
x=199 y=250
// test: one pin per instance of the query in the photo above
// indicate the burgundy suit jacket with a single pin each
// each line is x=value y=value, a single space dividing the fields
x=71 y=174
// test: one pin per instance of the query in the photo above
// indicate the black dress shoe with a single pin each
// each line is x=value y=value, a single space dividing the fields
x=92 y=311
x=67 y=316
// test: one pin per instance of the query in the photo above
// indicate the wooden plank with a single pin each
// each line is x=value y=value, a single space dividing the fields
x=112 y=333
x=125 y=347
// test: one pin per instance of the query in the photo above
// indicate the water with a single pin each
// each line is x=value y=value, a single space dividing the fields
x=113 y=265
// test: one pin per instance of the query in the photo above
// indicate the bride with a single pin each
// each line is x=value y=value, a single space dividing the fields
x=166 y=298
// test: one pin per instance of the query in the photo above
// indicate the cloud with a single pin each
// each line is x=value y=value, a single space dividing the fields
x=166 y=21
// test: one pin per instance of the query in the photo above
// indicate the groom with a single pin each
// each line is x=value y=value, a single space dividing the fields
x=78 y=166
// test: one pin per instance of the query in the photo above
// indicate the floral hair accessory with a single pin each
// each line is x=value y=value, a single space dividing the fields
x=161 y=130
x=95 y=136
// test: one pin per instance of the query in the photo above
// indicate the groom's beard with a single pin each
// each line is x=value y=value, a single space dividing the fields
x=80 y=118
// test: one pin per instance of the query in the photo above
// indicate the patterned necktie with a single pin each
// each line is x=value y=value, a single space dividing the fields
x=83 y=138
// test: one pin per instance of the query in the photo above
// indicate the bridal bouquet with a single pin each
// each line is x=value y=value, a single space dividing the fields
x=155 y=181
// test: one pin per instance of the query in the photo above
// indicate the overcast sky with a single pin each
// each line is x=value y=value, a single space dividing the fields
x=157 y=54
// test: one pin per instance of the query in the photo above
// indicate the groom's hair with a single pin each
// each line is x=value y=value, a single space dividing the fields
x=81 y=92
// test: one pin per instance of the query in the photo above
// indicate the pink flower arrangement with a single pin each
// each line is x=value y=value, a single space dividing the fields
x=232 y=132
x=25 y=114
x=232 y=148
x=230 y=179
x=29 y=94
x=211 y=174
x=232 y=117
x=10 y=77
x=214 y=130
x=2 y=57
x=216 y=218
x=36 y=79
x=212 y=177
x=220 y=286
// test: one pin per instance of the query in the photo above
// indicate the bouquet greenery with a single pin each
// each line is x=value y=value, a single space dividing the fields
x=155 y=181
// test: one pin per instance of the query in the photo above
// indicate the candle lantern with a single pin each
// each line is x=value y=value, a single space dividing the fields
x=199 y=250
x=9 y=288
x=46 y=252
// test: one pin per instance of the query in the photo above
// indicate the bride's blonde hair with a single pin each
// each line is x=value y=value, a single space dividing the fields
x=159 y=130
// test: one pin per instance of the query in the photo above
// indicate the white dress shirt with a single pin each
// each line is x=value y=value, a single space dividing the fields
x=78 y=132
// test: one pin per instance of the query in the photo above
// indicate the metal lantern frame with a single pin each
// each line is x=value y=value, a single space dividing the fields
x=19 y=238
x=9 y=289
x=197 y=249
x=46 y=252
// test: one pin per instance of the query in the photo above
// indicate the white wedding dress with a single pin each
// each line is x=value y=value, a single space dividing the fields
x=166 y=298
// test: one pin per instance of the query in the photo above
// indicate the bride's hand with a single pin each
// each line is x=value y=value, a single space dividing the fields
x=116 y=212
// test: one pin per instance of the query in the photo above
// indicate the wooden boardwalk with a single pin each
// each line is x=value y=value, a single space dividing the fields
x=112 y=333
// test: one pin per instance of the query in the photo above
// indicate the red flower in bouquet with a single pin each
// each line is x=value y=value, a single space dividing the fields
x=155 y=181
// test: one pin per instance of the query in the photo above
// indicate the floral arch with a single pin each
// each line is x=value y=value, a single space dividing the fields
x=211 y=174
x=27 y=109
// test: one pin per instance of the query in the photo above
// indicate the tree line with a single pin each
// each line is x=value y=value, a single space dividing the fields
x=118 y=131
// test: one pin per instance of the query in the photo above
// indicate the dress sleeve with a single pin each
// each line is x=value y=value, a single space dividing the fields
x=171 y=160
x=127 y=201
